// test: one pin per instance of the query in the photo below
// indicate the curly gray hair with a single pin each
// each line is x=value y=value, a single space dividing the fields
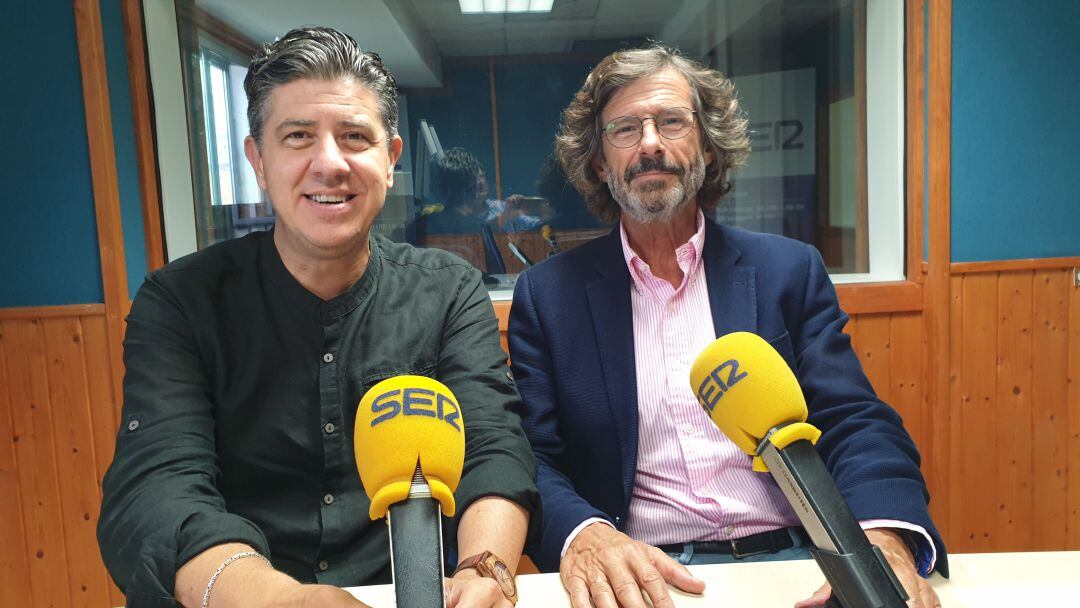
x=580 y=141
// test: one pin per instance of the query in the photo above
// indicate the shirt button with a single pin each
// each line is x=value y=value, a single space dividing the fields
x=324 y=565
x=329 y=427
x=328 y=357
x=328 y=499
x=671 y=307
x=729 y=531
x=134 y=424
x=687 y=428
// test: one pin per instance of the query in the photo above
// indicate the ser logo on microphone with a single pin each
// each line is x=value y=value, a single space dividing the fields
x=718 y=382
x=415 y=402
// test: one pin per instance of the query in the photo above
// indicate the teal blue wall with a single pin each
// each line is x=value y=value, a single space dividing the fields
x=48 y=239
x=1015 y=129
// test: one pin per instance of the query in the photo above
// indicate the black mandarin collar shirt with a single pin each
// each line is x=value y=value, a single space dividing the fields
x=240 y=396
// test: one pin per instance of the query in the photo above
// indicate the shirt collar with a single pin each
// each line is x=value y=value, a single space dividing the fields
x=325 y=311
x=688 y=255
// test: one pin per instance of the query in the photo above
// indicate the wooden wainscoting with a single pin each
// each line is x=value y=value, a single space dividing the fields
x=58 y=419
x=1013 y=413
x=1014 y=409
x=890 y=348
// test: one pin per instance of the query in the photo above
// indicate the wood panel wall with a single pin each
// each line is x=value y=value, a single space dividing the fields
x=1013 y=463
x=1014 y=410
x=58 y=421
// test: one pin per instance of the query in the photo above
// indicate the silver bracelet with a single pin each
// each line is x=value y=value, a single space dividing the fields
x=221 y=568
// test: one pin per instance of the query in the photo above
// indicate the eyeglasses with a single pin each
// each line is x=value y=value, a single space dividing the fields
x=672 y=123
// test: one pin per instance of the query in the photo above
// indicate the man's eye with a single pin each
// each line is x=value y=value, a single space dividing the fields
x=297 y=136
x=356 y=139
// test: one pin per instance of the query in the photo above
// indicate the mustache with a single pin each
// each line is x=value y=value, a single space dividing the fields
x=652 y=164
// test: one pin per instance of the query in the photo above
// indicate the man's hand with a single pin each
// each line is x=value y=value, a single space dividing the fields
x=608 y=569
x=921 y=594
x=470 y=590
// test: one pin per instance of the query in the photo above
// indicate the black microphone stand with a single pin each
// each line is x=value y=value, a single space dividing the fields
x=416 y=547
x=857 y=571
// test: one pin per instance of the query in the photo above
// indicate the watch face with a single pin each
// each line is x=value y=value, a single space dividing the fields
x=502 y=575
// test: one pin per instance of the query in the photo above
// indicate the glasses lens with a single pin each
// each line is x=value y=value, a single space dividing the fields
x=624 y=132
x=674 y=123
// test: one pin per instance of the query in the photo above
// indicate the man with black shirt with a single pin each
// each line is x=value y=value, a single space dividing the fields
x=234 y=482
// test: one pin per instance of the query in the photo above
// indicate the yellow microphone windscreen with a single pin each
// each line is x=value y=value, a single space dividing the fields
x=403 y=421
x=432 y=208
x=747 y=389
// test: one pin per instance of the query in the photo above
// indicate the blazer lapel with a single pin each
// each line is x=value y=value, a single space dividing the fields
x=732 y=289
x=609 y=304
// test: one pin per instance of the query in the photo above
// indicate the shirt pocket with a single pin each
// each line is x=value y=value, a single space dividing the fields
x=360 y=385
x=417 y=369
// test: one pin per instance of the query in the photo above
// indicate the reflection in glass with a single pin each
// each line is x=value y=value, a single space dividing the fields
x=481 y=97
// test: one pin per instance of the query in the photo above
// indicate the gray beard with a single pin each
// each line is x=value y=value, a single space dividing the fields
x=655 y=202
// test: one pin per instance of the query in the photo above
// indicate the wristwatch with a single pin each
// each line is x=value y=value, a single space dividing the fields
x=490 y=566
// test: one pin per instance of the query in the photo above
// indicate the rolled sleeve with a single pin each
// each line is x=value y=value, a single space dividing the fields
x=498 y=459
x=161 y=506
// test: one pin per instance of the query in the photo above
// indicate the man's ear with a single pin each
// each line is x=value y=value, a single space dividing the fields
x=394 y=154
x=251 y=151
x=599 y=167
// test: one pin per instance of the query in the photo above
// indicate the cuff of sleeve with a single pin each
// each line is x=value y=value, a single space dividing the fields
x=919 y=541
x=204 y=529
x=573 y=533
x=497 y=479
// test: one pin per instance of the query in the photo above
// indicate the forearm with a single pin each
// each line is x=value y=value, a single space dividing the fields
x=493 y=524
x=245 y=582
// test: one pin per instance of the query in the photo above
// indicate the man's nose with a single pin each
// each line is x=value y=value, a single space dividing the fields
x=328 y=161
x=651 y=142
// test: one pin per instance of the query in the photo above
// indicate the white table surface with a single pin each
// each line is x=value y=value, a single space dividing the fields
x=982 y=580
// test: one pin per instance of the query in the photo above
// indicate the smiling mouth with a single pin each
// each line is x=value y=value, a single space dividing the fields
x=330 y=199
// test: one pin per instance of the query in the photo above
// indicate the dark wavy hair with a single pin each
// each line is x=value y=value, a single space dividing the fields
x=723 y=123
x=458 y=178
x=319 y=53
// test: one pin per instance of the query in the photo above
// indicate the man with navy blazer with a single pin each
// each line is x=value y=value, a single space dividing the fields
x=635 y=480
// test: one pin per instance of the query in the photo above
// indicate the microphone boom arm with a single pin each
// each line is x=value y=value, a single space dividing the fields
x=857 y=571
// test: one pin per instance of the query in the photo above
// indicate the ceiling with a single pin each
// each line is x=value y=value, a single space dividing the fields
x=414 y=36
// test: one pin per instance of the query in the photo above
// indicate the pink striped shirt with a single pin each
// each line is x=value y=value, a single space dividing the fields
x=693 y=483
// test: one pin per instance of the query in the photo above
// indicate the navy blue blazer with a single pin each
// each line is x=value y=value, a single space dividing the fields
x=572 y=354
